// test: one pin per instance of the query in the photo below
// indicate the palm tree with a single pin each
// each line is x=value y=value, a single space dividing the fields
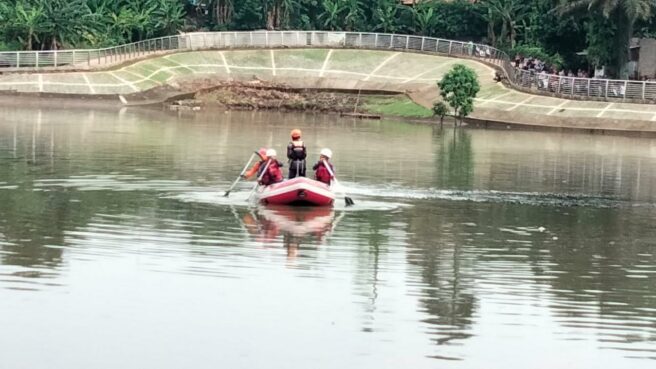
x=332 y=14
x=286 y=8
x=354 y=14
x=222 y=11
x=385 y=16
x=623 y=13
x=424 y=18
x=492 y=18
x=510 y=13
x=28 y=23
x=67 y=23
x=168 y=16
x=278 y=13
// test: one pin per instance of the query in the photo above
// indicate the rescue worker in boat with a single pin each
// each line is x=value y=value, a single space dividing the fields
x=296 y=153
x=321 y=173
x=273 y=173
x=255 y=169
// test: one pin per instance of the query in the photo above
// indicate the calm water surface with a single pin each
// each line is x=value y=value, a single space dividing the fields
x=466 y=249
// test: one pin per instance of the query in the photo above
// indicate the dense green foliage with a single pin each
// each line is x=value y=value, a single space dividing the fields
x=53 y=24
x=551 y=30
x=459 y=88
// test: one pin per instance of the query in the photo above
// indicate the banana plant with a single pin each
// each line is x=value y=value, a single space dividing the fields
x=332 y=14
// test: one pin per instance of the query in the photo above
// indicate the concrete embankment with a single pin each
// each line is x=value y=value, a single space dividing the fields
x=159 y=78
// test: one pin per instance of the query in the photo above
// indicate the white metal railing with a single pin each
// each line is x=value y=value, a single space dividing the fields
x=544 y=83
x=83 y=58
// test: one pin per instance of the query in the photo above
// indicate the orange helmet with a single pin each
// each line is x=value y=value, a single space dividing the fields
x=262 y=153
x=296 y=133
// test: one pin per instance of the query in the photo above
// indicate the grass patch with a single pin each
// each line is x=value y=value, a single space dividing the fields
x=401 y=106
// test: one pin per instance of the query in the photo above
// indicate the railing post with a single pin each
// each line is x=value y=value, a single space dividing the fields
x=88 y=58
x=376 y=41
x=36 y=58
x=391 y=42
x=571 y=93
x=606 y=89
x=625 y=89
x=266 y=38
x=407 y=42
x=423 y=39
x=588 y=87
x=450 y=45
x=644 y=86
x=360 y=40
x=17 y=59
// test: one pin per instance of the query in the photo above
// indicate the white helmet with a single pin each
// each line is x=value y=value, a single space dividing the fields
x=327 y=153
x=271 y=153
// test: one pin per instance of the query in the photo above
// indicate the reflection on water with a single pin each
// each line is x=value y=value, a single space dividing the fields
x=477 y=249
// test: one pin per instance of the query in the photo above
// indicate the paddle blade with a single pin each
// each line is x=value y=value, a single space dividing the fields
x=349 y=201
x=226 y=194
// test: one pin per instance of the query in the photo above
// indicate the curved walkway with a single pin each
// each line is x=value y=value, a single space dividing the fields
x=411 y=73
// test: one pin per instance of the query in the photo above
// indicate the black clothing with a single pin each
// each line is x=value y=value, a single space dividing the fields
x=296 y=153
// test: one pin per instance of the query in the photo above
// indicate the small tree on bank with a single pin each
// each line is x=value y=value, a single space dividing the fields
x=459 y=88
x=441 y=110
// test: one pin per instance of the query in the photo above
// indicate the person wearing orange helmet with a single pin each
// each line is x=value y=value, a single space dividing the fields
x=296 y=153
x=255 y=169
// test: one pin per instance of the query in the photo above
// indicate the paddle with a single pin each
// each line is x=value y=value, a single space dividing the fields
x=349 y=201
x=257 y=182
x=240 y=174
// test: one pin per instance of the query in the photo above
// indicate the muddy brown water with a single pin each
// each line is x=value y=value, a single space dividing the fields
x=466 y=248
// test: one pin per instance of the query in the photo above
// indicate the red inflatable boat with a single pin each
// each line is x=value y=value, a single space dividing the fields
x=297 y=191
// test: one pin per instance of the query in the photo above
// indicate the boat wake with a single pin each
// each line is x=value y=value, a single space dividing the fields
x=523 y=198
x=240 y=198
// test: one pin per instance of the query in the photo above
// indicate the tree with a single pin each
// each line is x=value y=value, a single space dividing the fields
x=354 y=14
x=168 y=16
x=332 y=14
x=278 y=13
x=441 y=110
x=68 y=22
x=248 y=15
x=459 y=88
x=222 y=11
x=424 y=18
x=385 y=15
x=28 y=22
x=510 y=13
x=623 y=13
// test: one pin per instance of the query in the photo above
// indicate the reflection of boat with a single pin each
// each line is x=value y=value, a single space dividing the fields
x=266 y=224
x=297 y=191
x=300 y=221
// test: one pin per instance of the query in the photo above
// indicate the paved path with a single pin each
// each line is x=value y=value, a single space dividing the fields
x=415 y=74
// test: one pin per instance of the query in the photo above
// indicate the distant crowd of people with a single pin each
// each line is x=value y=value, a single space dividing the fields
x=539 y=66
x=535 y=72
